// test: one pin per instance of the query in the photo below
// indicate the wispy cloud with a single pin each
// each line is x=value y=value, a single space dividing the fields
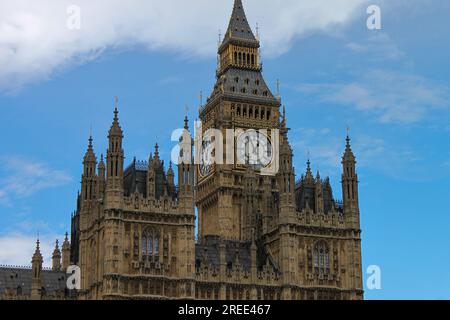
x=373 y=153
x=377 y=46
x=393 y=97
x=35 y=40
x=23 y=177
x=18 y=248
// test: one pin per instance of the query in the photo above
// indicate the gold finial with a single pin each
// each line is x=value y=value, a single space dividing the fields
x=257 y=31
x=278 y=87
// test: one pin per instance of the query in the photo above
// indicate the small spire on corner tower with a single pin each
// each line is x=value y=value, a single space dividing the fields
x=348 y=137
x=90 y=138
x=116 y=108
x=156 y=150
x=186 y=120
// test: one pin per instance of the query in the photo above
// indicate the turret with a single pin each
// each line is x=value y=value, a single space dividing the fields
x=88 y=179
x=56 y=258
x=155 y=175
x=36 y=279
x=350 y=186
x=101 y=176
x=170 y=179
x=66 y=253
x=114 y=163
x=286 y=174
x=318 y=195
x=186 y=171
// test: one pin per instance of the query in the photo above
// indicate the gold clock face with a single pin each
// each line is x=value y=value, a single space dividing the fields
x=254 y=149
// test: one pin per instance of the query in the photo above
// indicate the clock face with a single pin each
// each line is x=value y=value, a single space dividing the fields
x=254 y=149
x=205 y=159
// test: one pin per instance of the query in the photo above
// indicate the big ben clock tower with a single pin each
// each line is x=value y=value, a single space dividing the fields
x=231 y=194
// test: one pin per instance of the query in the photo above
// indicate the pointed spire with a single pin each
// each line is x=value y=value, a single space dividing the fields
x=239 y=28
x=116 y=108
x=101 y=164
x=348 y=154
x=89 y=157
x=37 y=253
x=186 y=119
x=115 y=130
x=157 y=151
x=90 y=138
x=309 y=176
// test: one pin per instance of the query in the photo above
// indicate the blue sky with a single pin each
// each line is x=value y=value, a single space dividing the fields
x=391 y=86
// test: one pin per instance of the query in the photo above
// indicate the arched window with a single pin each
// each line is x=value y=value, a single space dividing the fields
x=144 y=245
x=150 y=243
x=150 y=246
x=321 y=258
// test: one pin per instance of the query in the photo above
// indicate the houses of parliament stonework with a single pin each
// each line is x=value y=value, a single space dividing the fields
x=259 y=236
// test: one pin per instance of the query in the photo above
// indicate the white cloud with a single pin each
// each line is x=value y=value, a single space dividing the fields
x=377 y=46
x=17 y=248
x=390 y=96
x=25 y=178
x=373 y=153
x=35 y=41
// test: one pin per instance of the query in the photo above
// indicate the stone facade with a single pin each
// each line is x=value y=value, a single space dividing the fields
x=259 y=236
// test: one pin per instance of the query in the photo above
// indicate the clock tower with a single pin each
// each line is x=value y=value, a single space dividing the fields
x=232 y=191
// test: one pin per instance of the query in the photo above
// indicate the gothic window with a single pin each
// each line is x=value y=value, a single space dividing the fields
x=144 y=246
x=321 y=258
x=150 y=246
x=150 y=243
